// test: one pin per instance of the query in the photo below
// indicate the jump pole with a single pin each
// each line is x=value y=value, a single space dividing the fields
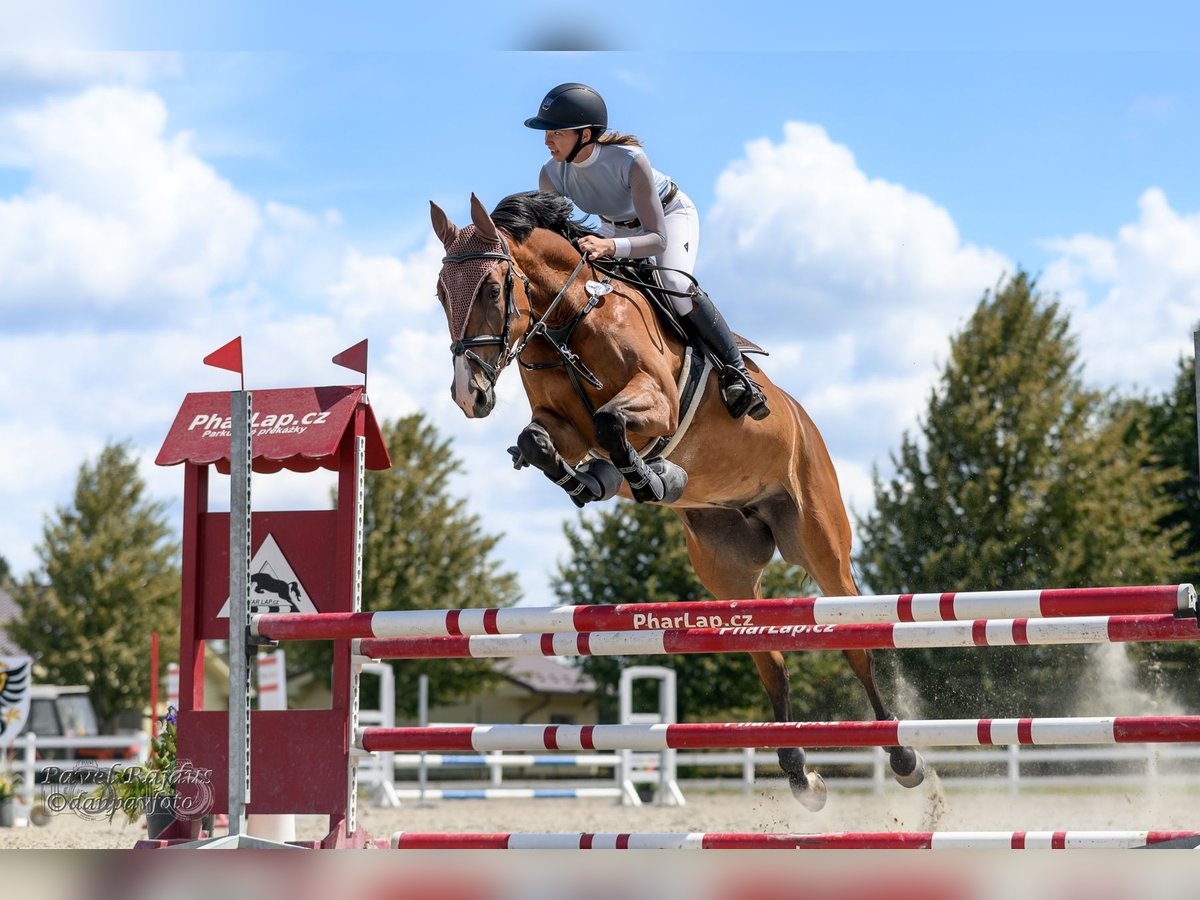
x=743 y=735
x=961 y=606
x=903 y=635
x=919 y=840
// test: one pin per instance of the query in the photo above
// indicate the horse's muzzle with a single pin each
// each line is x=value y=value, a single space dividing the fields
x=473 y=394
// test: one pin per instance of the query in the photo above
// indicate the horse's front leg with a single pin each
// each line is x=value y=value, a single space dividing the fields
x=594 y=480
x=645 y=408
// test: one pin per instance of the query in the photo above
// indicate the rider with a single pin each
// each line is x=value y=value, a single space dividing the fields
x=642 y=213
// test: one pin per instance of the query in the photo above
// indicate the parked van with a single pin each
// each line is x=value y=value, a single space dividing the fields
x=66 y=711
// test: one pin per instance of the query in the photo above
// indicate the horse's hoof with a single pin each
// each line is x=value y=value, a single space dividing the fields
x=911 y=777
x=813 y=793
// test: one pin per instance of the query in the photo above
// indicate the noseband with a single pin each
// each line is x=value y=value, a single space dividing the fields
x=466 y=346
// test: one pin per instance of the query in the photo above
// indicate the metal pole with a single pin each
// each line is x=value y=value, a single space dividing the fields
x=239 y=610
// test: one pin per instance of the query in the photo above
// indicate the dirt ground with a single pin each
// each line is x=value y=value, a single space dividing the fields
x=83 y=874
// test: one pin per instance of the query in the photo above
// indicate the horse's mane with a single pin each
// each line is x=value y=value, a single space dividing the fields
x=519 y=214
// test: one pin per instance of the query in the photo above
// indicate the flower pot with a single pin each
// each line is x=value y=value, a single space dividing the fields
x=160 y=813
x=7 y=812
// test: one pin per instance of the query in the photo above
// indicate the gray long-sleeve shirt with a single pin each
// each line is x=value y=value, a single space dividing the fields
x=616 y=183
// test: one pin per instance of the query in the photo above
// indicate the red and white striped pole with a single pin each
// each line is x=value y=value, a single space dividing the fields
x=962 y=606
x=918 y=840
x=904 y=635
x=712 y=736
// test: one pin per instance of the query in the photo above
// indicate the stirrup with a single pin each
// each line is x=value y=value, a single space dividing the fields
x=742 y=396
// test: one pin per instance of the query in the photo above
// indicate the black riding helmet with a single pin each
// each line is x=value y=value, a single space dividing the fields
x=569 y=107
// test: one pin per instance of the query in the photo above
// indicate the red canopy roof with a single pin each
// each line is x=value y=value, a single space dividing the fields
x=298 y=429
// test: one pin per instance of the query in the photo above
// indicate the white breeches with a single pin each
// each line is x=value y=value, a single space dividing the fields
x=683 y=246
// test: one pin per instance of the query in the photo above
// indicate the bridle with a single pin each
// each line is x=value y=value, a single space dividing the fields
x=466 y=346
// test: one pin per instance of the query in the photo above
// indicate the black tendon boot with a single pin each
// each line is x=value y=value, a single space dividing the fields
x=738 y=390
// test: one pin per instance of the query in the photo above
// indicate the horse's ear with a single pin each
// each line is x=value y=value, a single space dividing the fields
x=484 y=226
x=446 y=230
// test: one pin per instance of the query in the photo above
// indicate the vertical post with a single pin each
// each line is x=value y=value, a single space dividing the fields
x=355 y=673
x=239 y=610
x=423 y=721
x=153 y=685
x=30 y=768
x=190 y=687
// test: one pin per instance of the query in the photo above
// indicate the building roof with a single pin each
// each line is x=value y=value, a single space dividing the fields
x=8 y=612
x=546 y=675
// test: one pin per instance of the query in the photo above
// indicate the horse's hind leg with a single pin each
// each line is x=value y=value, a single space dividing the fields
x=816 y=535
x=908 y=767
x=729 y=550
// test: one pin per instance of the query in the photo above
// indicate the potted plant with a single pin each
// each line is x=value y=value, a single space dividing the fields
x=148 y=789
x=9 y=782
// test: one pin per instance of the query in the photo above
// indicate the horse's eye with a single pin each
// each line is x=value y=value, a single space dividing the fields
x=494 y=290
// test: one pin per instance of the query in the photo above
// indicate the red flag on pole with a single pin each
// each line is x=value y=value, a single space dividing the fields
x=228 y=357
x=354 y=358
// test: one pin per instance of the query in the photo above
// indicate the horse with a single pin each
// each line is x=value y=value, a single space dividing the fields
x=601 y=371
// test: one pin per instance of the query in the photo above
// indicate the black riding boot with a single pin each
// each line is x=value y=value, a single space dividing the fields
x=738 y=390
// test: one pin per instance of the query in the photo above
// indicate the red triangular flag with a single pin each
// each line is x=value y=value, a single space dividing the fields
x=227 y=357
x=353 y=357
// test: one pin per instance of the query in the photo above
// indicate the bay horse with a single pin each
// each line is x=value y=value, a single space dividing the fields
x=601 y=371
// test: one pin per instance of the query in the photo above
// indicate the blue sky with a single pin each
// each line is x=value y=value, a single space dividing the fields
x=862 y=179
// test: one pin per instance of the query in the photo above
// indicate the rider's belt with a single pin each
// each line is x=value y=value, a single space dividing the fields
x=634 y=223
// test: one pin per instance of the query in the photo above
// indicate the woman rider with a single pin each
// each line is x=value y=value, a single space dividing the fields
x=642 y=213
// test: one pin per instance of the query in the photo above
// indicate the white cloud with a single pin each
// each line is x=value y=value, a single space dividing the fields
x=1134 y=298
x=387 y=286
x=81 y=67
x=120 y=217
x=852 y=282
x=809 y=240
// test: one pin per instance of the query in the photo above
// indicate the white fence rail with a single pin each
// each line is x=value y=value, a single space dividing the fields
x=1013 y=768
x=29 y=756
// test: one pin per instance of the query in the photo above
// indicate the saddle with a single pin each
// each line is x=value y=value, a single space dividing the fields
x=644 y=275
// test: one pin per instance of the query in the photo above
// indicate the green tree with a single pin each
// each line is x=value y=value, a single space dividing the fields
x=1170 y=427
x=634 y=552
x=1020 y=478
x=6 y=577
x=108 y=577
x=1168 y=423
x=423 y=550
